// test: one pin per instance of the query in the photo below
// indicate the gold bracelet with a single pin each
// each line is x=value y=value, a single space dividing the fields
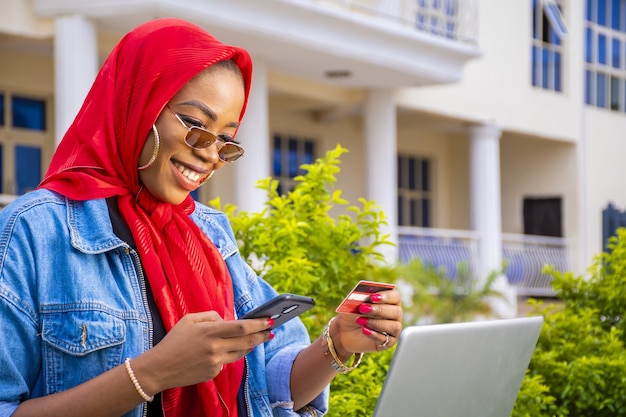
x=335 y=362
x=133 y=379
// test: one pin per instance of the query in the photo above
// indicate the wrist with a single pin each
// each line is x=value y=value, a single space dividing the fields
x=342 y=353
x=335 y=361
x=135 y=381
x=145 y=375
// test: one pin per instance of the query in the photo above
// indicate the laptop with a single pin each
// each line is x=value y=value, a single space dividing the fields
x=471 y=369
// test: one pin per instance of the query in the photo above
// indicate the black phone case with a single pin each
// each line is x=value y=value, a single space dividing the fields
x=282 y=308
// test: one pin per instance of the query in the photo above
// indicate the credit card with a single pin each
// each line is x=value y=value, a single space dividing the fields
x=361 y=294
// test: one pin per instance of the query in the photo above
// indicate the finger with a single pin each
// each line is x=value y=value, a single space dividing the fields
x=387 y=297
x=231 y=349
x=241 y=327
x=391 y=327
x=238 y=347
x=383 y=340
x=382 y=311
x=210 y=316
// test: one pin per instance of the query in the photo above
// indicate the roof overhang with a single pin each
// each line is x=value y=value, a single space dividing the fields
x=297 y=37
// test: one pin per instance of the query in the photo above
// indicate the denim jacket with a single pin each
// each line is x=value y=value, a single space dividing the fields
x=73 y=304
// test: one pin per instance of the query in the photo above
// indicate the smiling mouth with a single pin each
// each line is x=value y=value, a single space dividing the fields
x=190 y=174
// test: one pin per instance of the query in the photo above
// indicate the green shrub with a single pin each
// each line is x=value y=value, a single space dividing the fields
x=299 y=246
x=580 y=356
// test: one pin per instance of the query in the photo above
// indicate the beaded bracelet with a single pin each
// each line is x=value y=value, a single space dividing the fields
x=335 y=362
x=133 y=378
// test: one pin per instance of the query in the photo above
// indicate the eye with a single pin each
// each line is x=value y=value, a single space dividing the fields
x=228 y=139
x=191 y=121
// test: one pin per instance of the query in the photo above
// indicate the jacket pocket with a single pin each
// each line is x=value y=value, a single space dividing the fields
x=79 y=345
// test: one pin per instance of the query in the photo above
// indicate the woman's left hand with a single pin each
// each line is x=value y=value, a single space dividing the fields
x=375 y=329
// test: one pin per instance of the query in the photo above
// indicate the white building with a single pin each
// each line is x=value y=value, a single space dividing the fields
x=488 y=130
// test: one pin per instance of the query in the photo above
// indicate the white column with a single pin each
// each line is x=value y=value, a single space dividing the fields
x=75 y=66
x=487 y=211
x=254 y=135
x=381 y=162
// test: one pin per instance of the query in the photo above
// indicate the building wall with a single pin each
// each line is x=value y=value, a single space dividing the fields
x=497 y=87
x=29 y=73
x=448 y=153
x=552 y=144
x=537 y=125
x=17 y=18
x=534 y=168
x=605 y=151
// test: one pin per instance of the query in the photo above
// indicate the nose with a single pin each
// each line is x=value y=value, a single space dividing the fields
x=210 y=153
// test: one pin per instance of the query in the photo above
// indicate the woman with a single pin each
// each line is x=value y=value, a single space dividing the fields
x=119 y=293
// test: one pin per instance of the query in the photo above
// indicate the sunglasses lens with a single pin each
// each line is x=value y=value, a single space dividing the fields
x=230 y=152
x=199 y=139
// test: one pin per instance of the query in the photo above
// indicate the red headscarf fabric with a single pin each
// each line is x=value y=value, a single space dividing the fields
x=98 y=158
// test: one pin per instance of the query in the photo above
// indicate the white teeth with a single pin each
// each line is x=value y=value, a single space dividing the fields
x=190 y=174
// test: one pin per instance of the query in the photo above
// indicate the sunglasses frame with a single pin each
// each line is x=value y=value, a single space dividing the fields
x=219 y=142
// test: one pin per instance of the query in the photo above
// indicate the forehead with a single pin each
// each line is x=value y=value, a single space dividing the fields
x=215 y=74
x=220 y=88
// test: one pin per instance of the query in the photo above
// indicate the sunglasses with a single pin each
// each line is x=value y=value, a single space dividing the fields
x=199 y=138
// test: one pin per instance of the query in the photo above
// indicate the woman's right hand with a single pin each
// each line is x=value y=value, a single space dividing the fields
x=196 y=348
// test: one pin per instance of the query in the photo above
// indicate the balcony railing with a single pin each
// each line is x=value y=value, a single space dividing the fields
x=457 y=251
x=526 y=257
x=451 y=19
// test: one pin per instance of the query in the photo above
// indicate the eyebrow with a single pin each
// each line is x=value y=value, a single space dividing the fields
x=207 y=111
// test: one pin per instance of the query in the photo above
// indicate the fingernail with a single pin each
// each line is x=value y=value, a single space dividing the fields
x=365 y=308
x=270 y=322
x=271 y=335
x=376 y=298
x=366 y=331
x=361 y=321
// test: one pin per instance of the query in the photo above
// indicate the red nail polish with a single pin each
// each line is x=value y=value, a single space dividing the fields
x=365 y=308
x=376 y=298
x=361 y=321
x=366 y=331
x=270 y=322
x=271 y=335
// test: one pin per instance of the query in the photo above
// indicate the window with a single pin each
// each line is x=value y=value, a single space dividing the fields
x=290 y=153
x=28 y=113
x=543 y=217
x=549 y=33
x=27 y=168
x=440 y=17
x=414 y=191
x=1 y=109
x=605 y=52
x=25 y=140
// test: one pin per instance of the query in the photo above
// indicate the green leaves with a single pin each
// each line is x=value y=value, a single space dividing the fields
x=580 y=356
x=311 y=240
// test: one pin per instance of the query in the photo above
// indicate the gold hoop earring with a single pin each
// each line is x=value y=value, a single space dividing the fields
x=207 y=178
x=155 y=152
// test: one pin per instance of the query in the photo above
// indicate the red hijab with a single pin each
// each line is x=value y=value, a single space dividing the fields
x=98 y=158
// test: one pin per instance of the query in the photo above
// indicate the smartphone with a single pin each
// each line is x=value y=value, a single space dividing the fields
x=281 y=308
